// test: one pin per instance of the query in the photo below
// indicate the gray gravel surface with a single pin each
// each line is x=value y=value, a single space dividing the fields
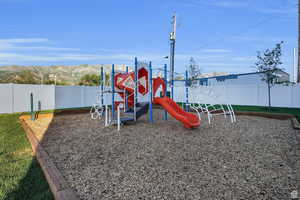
x=255 y=158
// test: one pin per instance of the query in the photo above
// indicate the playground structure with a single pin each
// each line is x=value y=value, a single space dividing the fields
x=136 y=86
x=131 y=87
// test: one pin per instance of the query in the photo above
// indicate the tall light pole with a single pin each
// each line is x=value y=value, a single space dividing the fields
x=172 y=53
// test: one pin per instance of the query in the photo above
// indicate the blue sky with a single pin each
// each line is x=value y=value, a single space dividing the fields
x=222 y=35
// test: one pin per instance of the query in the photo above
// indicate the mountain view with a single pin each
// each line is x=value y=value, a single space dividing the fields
x=60 y=74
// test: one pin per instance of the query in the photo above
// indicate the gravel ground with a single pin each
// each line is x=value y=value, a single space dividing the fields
x=255 y=158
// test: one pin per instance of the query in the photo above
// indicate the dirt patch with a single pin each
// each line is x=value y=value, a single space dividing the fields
x=255 y=158
x=40 y=125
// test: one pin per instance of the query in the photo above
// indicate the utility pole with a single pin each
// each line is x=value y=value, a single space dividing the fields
x=172 y=53
x=298 y=74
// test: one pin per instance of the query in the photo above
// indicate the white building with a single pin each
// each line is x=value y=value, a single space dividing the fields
x=237 y=79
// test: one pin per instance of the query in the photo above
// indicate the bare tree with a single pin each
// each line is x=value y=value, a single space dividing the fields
x=194 y=71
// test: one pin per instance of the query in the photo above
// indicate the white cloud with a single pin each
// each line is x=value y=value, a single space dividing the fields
x=22 y=50
x=19 y=57
x=215 y=3
x=228 y=4
x=216 y=51
x=261 y=39
x=14 y=44
x=217 y=59
x=24 y=40
x=4 y=47
x=282 y=8
x=244 y=58
x=278 y=10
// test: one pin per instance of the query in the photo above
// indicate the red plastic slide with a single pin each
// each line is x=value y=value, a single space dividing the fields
x=189 y=120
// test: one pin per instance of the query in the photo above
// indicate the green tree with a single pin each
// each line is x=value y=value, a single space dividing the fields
x=90 y=80
x=107 y=79
x=268 y=62
x=52 y=82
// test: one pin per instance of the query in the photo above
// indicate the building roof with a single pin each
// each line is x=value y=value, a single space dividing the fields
x=231 y=76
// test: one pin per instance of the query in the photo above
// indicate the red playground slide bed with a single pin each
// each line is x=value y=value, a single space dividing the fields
x=189 y=120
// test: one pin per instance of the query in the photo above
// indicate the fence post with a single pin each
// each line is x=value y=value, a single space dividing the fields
x=82 y=96
x=12 y=98
x=31 y=107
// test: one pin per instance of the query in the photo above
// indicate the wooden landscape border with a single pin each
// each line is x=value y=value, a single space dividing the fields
x=56 y=181
x=294 y=121
x=58 y=184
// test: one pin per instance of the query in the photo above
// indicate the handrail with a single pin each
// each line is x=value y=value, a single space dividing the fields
x=190 y=105
x=209 y=108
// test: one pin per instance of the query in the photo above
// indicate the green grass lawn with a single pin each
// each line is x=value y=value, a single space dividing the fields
x=20 y=174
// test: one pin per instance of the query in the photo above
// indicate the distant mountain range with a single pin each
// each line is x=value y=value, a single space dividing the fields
x=62 y=74
x=68 y=75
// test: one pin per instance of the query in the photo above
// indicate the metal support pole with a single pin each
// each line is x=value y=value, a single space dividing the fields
x=135 y=85
x=150 y=93
x=186 y=91
x=109 y=116
x=106 y=115
x=166 y=83
x=125 y=101
x=31 y=107
x=101 y=85
x=172 y=53
x=113 y=91
x=125 y=95
x=119 y=121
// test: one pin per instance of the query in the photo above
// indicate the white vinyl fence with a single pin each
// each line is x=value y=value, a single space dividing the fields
x=255 y=95
x=16 y=97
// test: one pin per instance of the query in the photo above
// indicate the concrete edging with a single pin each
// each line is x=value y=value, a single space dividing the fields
x=56 y=181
